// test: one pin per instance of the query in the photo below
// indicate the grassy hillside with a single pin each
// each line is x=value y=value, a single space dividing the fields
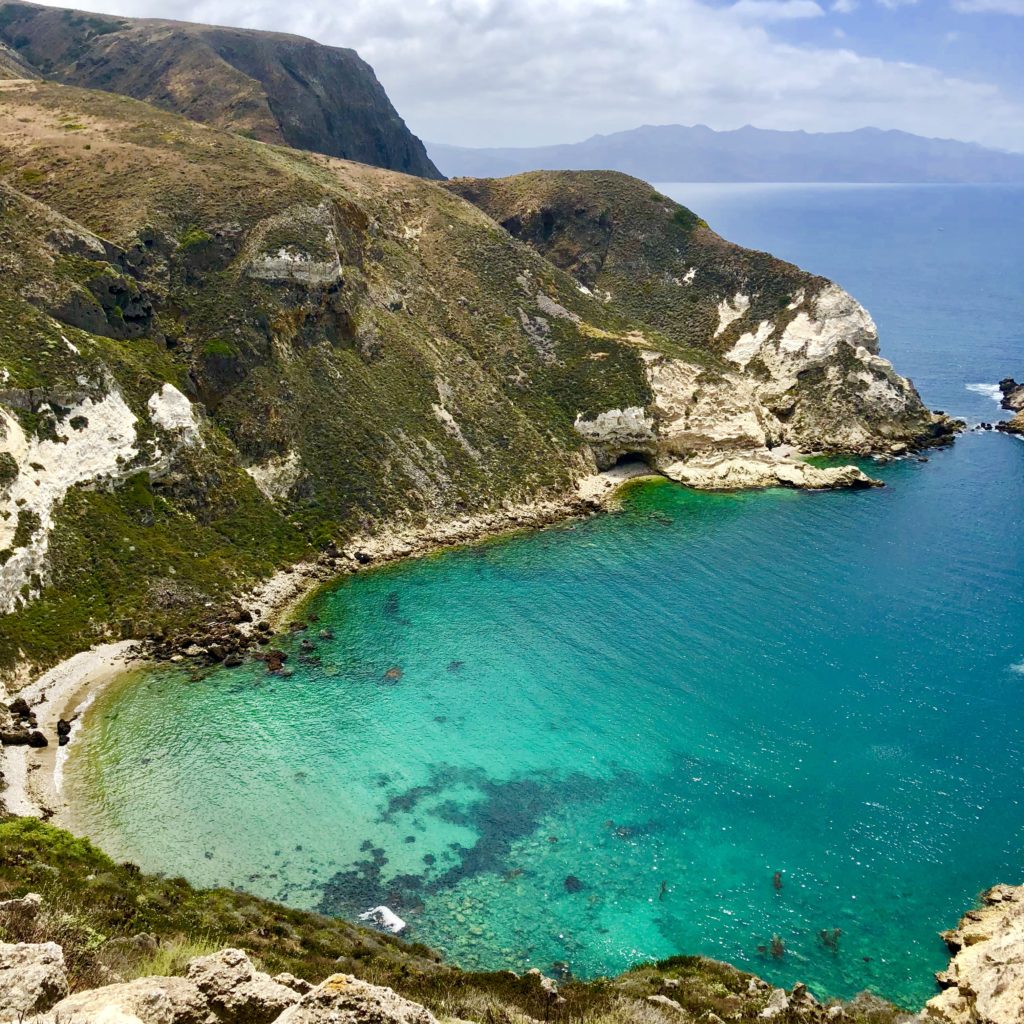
x=218 y=356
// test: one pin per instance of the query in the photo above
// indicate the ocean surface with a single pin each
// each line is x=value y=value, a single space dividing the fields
x=688 y=726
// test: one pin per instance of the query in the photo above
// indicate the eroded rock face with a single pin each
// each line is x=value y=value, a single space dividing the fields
x=144 y=1001
x=1013 y=399
x=32 y=978
x=235 y=991
x=984 y=982
x=343 y=999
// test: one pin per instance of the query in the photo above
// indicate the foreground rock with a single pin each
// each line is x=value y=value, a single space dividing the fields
x=143 y=1001
x=32 y=978
x=343 y=999
x=984 y=983
x=236 y=991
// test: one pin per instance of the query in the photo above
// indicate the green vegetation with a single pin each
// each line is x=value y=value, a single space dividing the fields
x=95 y=909
x=216 y=348
x=193 y=237
x=8 y=469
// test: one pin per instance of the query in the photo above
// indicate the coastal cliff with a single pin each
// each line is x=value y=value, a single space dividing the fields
x=1013 y=399
x=219 y=358
x=268 y=85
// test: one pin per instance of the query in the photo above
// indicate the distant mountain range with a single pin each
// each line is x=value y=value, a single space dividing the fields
x=679 y=153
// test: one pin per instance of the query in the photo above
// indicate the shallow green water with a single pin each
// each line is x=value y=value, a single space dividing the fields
x=670 y=705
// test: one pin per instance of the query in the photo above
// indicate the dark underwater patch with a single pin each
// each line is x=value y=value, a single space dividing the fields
x=500 y=813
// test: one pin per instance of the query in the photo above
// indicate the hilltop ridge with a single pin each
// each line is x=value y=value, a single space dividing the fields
x=681 y=153
x=269 y=85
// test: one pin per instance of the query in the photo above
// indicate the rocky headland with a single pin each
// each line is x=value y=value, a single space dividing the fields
x=1013 y=399
x=191 y=325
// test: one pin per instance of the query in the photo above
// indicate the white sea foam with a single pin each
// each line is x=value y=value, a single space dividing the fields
x=1018 y=668
x=988 y=390
x=62 y=752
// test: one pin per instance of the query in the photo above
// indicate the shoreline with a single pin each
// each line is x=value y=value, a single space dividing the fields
x=33 y=776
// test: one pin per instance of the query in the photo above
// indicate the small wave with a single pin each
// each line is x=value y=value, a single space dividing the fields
x=988 y=390
x=1018 y=668
x=62 y=752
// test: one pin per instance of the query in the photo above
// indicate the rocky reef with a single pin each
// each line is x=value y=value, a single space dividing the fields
x=1013 y=399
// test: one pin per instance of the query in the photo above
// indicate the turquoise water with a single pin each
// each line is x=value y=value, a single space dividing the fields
x=599 y=743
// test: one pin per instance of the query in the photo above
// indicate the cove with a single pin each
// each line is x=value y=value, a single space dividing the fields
x=600 y=742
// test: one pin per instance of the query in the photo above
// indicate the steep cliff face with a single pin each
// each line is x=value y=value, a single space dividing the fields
x=984 y=982
x=271 y=86
x=218 y=357
x=791 y=358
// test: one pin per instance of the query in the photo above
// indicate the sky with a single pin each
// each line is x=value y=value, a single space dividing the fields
x=533 y=72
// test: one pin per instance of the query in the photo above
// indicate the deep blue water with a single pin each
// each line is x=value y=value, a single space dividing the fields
x=669 y=704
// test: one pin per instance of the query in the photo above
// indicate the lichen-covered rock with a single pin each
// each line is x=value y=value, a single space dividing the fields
x=143 y=1001
x=21 y=912
x=343 y=999
x=32 y=978
x=235 y=991
x=984 y=982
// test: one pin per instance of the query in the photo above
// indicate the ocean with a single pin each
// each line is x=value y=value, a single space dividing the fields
x=782 y=729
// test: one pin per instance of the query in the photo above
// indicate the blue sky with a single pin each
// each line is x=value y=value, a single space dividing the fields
x=983 y=40
x=527 y=72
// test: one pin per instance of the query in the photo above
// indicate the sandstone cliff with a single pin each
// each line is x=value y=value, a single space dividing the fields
x=269 y=85
x=218 y=357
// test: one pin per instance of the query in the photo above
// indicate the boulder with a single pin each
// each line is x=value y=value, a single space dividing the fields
x=143 y=1001
x=18 y=913
x=342 y=999
x=778 y=1004
x=32 y=978
x=235 y=991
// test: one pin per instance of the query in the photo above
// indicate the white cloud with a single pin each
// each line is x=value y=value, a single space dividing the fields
x=990 y=6
x=844 y=6
x=775 y=10
x=498 y=72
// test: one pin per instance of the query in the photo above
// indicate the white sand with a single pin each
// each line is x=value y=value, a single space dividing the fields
x=29 y=772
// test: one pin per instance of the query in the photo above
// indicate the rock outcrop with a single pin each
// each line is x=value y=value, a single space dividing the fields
x=1013 y=399
x=343 y=999
x=984 y=982
x=32 y=978
x=235 y=991
x=275 y=87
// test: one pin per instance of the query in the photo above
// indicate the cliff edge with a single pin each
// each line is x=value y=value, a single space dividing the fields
x=268 y=85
